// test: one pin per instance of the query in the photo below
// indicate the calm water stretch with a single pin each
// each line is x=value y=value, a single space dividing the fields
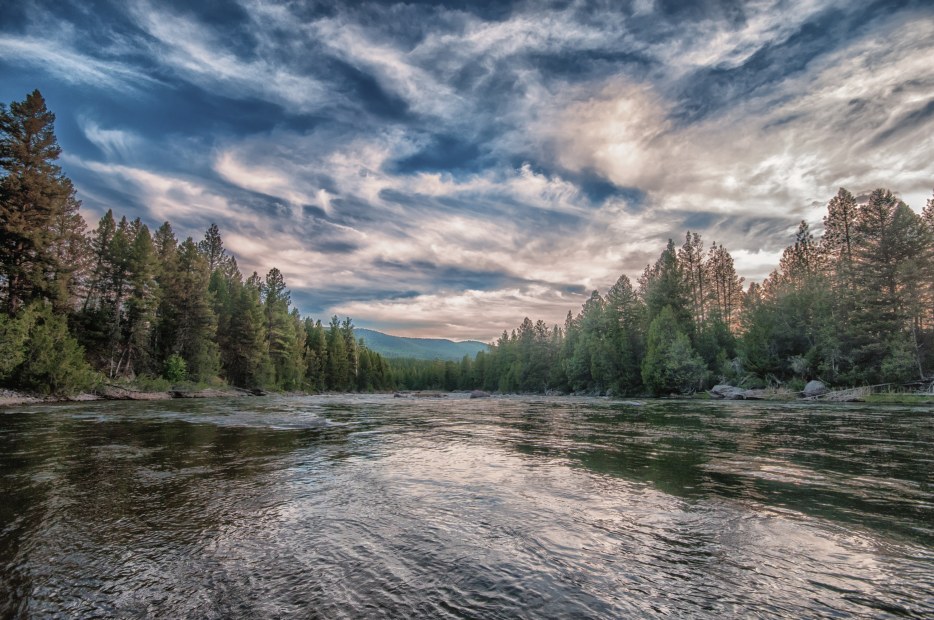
x=335 y=507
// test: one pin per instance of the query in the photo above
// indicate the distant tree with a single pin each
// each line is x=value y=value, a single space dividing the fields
x=338 y=375
x=212 y=248
x=625 y=318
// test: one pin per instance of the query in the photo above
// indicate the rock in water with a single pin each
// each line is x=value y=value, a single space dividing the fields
x=814 y=388
x=480 y=394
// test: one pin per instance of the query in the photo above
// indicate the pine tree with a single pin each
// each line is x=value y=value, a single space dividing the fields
x=670 y=363
x=725 y=287
x=662 y=285
x=316 y=356
x=338 y=376
x=693 y=268
x=39 y=221
x=243 y=353
x=140 y=309
x=212 y=248
x=624 y=320
x=890 y=275
x=192 y=320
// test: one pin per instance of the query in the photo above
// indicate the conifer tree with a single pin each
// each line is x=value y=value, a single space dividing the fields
x=38 y=209
x=140 y=310
x=625 y=320
x=725 y=287
x=212 y=248
x=693 y=268
x=662 y=284
x=163 y=334
x=338 y=368
x=191 y=320
x=316 y=356
x=244 y=351
x=671 y=364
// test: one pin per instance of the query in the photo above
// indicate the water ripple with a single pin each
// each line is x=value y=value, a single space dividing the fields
x=368 y=507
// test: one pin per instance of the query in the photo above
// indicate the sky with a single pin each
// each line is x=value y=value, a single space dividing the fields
x=444 y=169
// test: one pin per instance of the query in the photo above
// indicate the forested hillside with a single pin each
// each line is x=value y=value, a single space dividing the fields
x=391 y=346
x=120 y=301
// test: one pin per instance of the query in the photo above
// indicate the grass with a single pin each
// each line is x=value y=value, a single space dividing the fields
x=900 y=398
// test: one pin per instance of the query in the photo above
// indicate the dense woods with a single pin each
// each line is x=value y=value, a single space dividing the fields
x=120 y=301
x=852 y=307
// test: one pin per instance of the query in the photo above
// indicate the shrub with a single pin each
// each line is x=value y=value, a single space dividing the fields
x=53 y=361
x=14 y=334
x=176 y=369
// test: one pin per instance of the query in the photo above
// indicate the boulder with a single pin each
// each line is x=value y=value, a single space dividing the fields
x=728 y=392
x=814 y=388
x=479 y=394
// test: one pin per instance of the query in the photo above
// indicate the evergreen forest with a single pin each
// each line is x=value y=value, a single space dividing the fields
x=121 y=302
x=854 y=306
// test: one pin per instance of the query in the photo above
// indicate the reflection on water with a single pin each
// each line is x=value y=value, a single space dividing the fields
x=368 y=506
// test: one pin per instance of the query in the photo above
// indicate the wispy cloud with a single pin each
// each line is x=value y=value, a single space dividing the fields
x=62 y=61
x=447 y=170
x=196 y=53
x=114 y=143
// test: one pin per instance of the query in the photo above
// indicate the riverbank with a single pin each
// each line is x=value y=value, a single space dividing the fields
x=12 y=398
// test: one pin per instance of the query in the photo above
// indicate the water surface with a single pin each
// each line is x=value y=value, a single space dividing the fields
x=351 y=506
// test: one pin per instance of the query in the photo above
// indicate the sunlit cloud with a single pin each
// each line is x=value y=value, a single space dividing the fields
x=441 y=312
x=448 y=170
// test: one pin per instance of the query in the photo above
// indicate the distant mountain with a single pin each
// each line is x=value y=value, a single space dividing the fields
x=418 y=348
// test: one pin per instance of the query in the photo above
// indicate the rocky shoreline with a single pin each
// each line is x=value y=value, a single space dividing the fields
x=10 y=398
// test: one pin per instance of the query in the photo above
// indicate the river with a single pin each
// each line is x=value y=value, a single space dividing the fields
x=369 y=506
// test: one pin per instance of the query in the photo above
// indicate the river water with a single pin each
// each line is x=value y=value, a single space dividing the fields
x=369 y=506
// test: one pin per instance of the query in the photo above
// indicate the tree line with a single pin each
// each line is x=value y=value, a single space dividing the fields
x=852 y=307
x=121 y=302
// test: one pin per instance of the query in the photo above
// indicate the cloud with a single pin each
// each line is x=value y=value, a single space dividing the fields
x=115 y=143
x=65 y=63
x=782 y=150
x=199 y=54
x=443 y=312
x=447 y=170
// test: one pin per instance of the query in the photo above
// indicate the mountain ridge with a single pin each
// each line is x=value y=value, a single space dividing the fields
x=391 y=346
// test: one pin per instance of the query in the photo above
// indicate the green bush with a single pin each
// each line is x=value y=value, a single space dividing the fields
x=901 y=363
x=148 y=383
x=53 y=361
x=176 y=370
x=14 y=333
